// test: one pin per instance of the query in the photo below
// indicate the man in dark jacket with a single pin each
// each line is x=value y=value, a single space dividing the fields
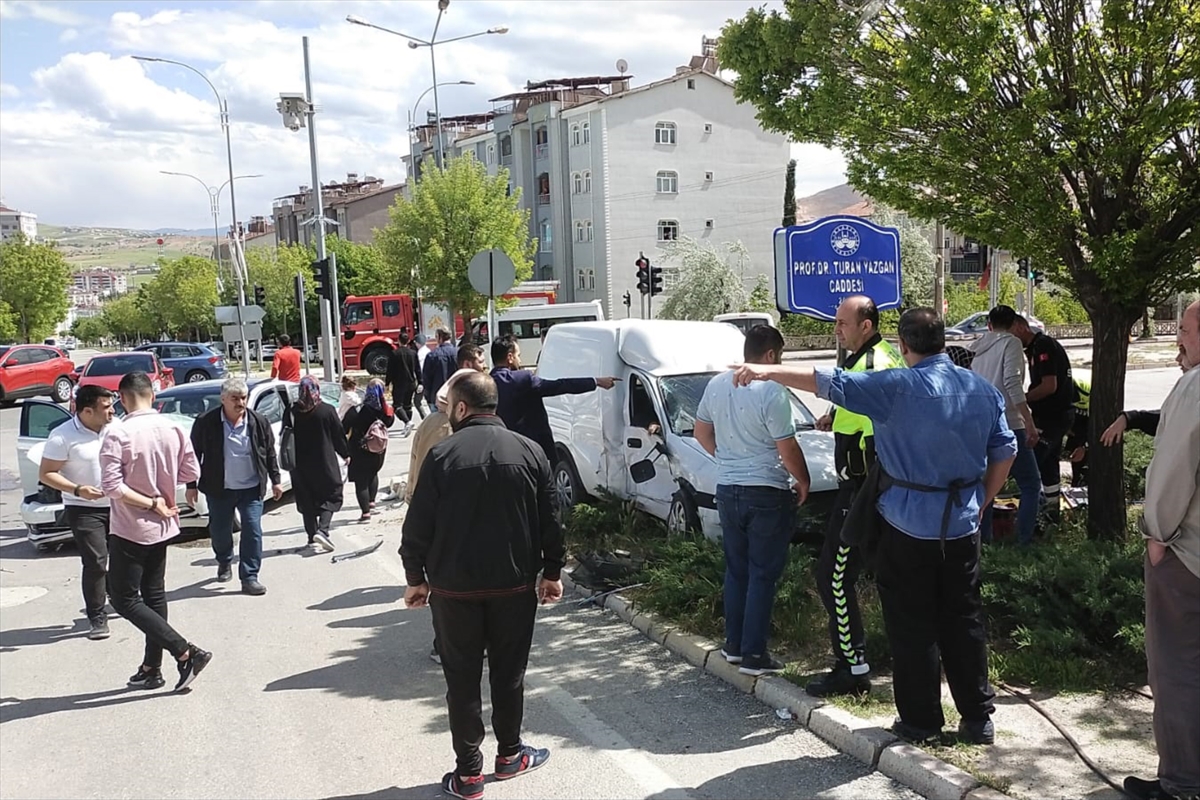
x=236 y=449
x=521 y=394
x=480 y=528
x=440 y=364
x=402 y=377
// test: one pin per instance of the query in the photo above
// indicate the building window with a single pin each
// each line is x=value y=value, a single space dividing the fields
x=579 y=234
x=491 y=154
x=664 y=133
x=576 y=137
x=543 y=189
x=587 y=181
x=577 y=182
x=581 y=276
x=691 y=83
x=506 y=147
x=586 y=132
x=586 y=279
x=668 y=182
x=587 y=227
x=668 y=230
x=544 y=241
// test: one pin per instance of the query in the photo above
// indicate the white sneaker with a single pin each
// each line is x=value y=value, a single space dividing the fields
x=322 y=541
x=408 y=429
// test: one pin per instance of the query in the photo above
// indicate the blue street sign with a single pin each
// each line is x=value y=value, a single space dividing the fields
x=820 y=263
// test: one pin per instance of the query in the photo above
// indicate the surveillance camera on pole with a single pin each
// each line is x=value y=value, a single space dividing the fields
x=294 y=108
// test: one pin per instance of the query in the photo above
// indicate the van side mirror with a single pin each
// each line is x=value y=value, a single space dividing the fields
x=642 y=471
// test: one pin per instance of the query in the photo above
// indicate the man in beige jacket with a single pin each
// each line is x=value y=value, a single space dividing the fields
x=1171 y=525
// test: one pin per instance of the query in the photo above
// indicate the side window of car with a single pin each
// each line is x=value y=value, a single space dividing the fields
x=641 y=407
x=39 y=419
x=391 y=308
x=37 y=355
x=20 y=358
x=270 y=405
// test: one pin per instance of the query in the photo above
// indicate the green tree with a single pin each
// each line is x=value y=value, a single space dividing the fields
x=182 y=296
x=8 y=323
x=275 y=270
x=89 y=329
x=789 y=194
x=453 y=214
x=363 y=270
x=124 y=318
x=762 y=297
x=1062 y=131
x=916 y=255
x=707 y=284
x=34 y=278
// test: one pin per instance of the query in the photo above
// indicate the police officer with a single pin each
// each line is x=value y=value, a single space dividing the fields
x=857 y=329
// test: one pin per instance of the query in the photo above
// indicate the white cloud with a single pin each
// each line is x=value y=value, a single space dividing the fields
x=68 y=35
x=43 y=12
x=85 y=142
x=9 y=91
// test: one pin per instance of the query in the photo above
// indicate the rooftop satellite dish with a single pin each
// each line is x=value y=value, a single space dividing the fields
x=622 y=66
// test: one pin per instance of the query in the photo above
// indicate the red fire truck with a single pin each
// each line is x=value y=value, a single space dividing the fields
x=371 y=325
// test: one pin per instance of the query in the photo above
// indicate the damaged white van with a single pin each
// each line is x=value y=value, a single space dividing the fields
x=635 y=441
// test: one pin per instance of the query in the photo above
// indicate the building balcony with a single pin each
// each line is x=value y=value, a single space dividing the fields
x=542 y=150
x=543 y=199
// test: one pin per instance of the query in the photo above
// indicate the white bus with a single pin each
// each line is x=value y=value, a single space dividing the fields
x=530 y=323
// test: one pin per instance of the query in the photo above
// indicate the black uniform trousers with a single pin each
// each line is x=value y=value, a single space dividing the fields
x=932 y=611
x=464 y=628
x=838 y=568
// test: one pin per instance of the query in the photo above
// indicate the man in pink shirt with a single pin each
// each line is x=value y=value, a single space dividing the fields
x=141 y=464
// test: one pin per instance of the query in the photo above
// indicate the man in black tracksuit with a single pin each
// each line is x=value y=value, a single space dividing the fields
x=480 y=529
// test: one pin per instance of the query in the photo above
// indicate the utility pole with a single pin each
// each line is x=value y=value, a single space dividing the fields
x=329 y=351
x=994 y=283
x=1029 y=287
x=939 y=275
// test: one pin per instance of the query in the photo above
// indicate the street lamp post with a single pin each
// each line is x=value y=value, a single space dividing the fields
x=412 y=115
x=239 y=273
x=431 y=43
x=214 y=203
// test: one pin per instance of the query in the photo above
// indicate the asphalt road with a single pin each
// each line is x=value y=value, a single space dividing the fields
x=324 y=688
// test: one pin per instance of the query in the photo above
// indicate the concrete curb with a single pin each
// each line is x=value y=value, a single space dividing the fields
x=877 y=748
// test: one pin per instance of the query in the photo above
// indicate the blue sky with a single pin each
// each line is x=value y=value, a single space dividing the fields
x=85 y=130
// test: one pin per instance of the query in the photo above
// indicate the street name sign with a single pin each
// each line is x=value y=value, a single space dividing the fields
x=820 y=263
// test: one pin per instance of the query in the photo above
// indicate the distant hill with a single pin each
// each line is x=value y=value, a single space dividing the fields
x=834 y=200
x=123 y=248
x=182 y=232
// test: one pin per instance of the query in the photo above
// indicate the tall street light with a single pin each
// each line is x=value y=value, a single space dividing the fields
x=214 y=204
x=412 y=115
x=223 y=106
x=431 y=43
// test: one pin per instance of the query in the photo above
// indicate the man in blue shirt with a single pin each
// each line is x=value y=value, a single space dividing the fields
x=521 y=392
x=752 y=435
x=944 y=445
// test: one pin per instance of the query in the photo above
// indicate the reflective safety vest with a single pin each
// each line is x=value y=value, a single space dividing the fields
x=1083 y=396
x=882 y=356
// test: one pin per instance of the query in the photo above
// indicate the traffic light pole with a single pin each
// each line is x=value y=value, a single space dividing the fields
x=328 y=355
x=298 y=285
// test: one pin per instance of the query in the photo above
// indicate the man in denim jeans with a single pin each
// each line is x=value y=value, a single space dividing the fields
x=752 y=434
x=236 y=449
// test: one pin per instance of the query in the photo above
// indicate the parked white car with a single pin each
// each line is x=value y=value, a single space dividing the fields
x=635 y=441
x=745 y=320
x=42 y=508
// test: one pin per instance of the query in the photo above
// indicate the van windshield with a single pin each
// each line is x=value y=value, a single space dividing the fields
x=681 y=398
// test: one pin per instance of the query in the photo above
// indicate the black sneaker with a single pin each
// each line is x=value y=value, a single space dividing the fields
x=730 y=655
x=253 y=587
x=974 y=731
x=913 y=734
x=760 y=665
x=839 y=681
x=527 y=759
x=1146 y=790
x=147 y=679
x=224 y=573
x=455 y=785
x=195 y=663
x=99 y=629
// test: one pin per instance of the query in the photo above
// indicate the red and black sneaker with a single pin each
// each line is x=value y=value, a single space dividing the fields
x=468 y=788
x=526 y=759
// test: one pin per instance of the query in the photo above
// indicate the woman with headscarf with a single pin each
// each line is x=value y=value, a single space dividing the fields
x=365 y=464
x=320 y=450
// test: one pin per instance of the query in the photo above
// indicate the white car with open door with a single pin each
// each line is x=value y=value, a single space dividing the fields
x=636 y=440
x=42 y=508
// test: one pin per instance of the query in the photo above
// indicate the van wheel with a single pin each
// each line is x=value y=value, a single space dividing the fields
x=62 y=390
x=683 y=517
x=375 y=360
x=568 y=490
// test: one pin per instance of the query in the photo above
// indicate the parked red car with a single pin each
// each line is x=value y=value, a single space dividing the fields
x=108 y=369
x=30 y=370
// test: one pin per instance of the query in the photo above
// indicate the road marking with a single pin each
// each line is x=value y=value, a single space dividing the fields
x=17 y=595
x=628 y=759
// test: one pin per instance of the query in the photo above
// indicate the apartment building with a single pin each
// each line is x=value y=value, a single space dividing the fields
x=258 y=234
x=609 y=170
x=13 y=222
x=101 y=282
x=358 y=206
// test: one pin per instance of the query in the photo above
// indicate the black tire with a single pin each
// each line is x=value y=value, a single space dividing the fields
x=61 y=393
x=683 y=516
x=568 y=489
x=375 y=360
x=195 y=376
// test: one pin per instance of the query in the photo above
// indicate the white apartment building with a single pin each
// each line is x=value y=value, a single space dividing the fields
x=13 y=222
x=101 y=281
x=609 y=171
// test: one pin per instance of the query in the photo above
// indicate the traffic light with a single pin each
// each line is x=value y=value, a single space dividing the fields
x=1037 y=277
x=643 y=274
x=655 y=281
x=628 y=300
x=321 y=278
x=260 y=295
x=1023 y=267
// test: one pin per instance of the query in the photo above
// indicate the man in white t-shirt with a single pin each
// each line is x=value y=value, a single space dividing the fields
x=71 y=464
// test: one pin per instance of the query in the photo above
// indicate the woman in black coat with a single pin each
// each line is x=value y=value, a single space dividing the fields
x=320 y=450
x=365 y=465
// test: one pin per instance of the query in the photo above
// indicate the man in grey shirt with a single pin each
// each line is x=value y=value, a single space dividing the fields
x=752 y=434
